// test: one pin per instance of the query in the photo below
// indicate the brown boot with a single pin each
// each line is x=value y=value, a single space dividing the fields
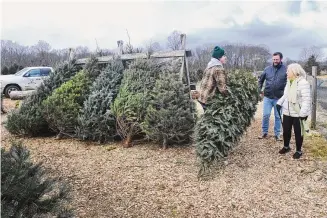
x=264 y=136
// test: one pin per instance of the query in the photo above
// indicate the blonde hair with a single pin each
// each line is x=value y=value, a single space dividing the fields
x=296 y=69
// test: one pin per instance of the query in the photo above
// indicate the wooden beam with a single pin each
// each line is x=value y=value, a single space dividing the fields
x=163 y=54
x=170 y=54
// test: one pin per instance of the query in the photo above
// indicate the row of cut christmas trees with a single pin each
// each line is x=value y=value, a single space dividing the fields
x=145 y=100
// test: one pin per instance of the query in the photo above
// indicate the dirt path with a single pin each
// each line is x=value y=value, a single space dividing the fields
x=145 y=181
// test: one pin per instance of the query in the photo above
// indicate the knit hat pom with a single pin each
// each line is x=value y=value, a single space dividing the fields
x=218 y=52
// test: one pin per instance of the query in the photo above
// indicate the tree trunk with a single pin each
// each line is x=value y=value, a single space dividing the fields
x=128 y=140
x=59 y=136
x=19 y=95
x=164 y=144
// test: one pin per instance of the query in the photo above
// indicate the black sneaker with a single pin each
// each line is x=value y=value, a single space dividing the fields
x=284 y=150
x=297 y=155
x=278 y=138
x=264 y=136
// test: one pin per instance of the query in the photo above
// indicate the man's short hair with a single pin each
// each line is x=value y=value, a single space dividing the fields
x=279 y=54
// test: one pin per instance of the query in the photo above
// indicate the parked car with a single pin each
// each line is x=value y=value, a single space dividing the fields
x=28 y=78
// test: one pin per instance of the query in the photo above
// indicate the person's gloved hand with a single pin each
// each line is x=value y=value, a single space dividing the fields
x=304 y=118
x=224 y=93
x=195 y=94
x=279 y=107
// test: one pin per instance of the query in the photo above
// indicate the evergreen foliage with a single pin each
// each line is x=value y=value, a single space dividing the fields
x=28 y=119
x=226 y=119
x=168 y=117
x=62 y=107
x=129 y=107
x=26 y=191
x=95 y=121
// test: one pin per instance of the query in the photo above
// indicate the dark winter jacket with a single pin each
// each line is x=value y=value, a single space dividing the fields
x=276 y=79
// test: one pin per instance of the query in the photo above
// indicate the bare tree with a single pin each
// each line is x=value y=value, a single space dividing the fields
x=106 y=52
x=314 y=51
x=288 y=61
x=201 y=57
x=129 y=48
x=250 y=57
x=42 y=46
x=39 y=54
x=12 y=52
x=151 y=46
x=6 y=53
x=42 y=49
x=83 y=51
x=174 y=40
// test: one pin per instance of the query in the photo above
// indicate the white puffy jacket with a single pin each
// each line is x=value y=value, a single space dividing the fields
x=303 y=98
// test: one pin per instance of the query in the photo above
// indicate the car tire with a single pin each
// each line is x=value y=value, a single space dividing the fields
x=10 y=88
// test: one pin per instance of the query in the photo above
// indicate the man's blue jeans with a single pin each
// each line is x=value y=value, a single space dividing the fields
x=268 y=104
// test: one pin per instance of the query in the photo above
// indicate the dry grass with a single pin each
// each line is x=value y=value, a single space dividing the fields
x=146 y=181
x=316 y=146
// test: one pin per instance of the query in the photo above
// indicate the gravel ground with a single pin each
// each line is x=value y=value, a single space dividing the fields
x=146 y=181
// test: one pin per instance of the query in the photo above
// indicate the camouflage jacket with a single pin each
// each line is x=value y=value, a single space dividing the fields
x=214 y=77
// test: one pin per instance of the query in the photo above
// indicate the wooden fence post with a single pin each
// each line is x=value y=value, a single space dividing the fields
x=120 y=44
x=182 y=37
x=314 y=97
x=70 y=56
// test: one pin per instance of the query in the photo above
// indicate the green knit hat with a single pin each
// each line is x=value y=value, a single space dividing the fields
x=218 y=52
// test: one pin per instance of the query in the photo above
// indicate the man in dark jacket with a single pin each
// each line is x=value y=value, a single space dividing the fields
x=275 y=79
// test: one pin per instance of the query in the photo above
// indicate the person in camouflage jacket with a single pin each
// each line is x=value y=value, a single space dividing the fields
x=214 y=77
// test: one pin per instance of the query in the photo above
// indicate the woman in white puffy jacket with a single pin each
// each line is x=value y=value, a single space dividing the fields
x=296 y=107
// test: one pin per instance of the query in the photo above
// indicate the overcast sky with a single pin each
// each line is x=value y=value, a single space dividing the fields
x=285 y=26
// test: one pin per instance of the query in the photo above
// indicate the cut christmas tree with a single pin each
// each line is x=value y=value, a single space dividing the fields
x=95 y=121
x=26 y=191
x=169 y=118
x=62 y=107
x=133 y=98
x=92 y=68
x=226 y=119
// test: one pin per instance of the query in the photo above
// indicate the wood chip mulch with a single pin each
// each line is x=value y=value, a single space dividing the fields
x=146 y=181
